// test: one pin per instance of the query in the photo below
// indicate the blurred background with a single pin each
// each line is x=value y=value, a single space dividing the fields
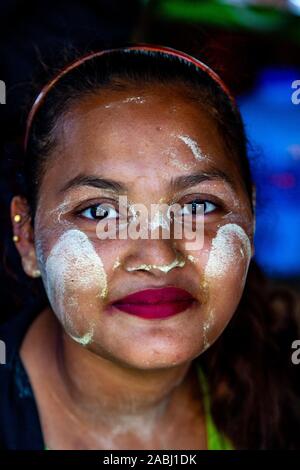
x=253 y=45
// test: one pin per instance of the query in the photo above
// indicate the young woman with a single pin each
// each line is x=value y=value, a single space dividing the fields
x=145 y=342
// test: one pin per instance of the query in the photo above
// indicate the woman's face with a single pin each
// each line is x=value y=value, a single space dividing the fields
x=139 y=144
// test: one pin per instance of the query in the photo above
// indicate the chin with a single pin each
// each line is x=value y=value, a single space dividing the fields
x=154 y=355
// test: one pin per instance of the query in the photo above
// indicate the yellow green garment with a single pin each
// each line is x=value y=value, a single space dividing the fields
x=215 y=439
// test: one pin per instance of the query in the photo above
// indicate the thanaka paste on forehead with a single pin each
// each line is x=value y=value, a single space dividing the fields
x=194 y=147
x=176 y=162
x=130 y=99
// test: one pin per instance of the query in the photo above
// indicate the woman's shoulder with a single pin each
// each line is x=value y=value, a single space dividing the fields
x=19 y=423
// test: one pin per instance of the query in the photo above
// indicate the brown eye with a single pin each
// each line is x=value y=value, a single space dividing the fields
x=99 y=212
x=196 y=207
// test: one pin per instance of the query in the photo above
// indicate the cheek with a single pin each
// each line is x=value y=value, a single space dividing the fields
x=224 y=265
x=74 y=275
x=229 y=258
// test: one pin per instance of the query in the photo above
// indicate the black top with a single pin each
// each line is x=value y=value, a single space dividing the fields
x=19 y=420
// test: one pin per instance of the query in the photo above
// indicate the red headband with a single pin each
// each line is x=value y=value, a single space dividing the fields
x=140 y=47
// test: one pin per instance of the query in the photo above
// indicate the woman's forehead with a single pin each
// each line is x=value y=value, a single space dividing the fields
x=131 y=130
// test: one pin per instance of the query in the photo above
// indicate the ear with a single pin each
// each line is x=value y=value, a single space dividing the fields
x=23 y=235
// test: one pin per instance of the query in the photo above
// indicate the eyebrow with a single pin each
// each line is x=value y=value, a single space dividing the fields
x=187 y=181
x=177 y=184
x=95 y=182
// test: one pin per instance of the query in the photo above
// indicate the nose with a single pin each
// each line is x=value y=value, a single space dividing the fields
x=154 y=256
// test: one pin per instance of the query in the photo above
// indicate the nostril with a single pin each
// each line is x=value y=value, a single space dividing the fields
x=141 y=267
x=164 y=267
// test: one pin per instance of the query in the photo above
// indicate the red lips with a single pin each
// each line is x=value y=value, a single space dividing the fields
x=156 y=303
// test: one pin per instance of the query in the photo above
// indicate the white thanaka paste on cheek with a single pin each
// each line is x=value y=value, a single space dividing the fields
x=85 y=339
x=73 y=263
x=74 y=257
x=230 y=245
x=224 y=253
x=206 y=328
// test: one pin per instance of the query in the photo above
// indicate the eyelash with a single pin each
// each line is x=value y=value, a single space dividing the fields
x=95 y=206
x=204 y=202
x=80 y=212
